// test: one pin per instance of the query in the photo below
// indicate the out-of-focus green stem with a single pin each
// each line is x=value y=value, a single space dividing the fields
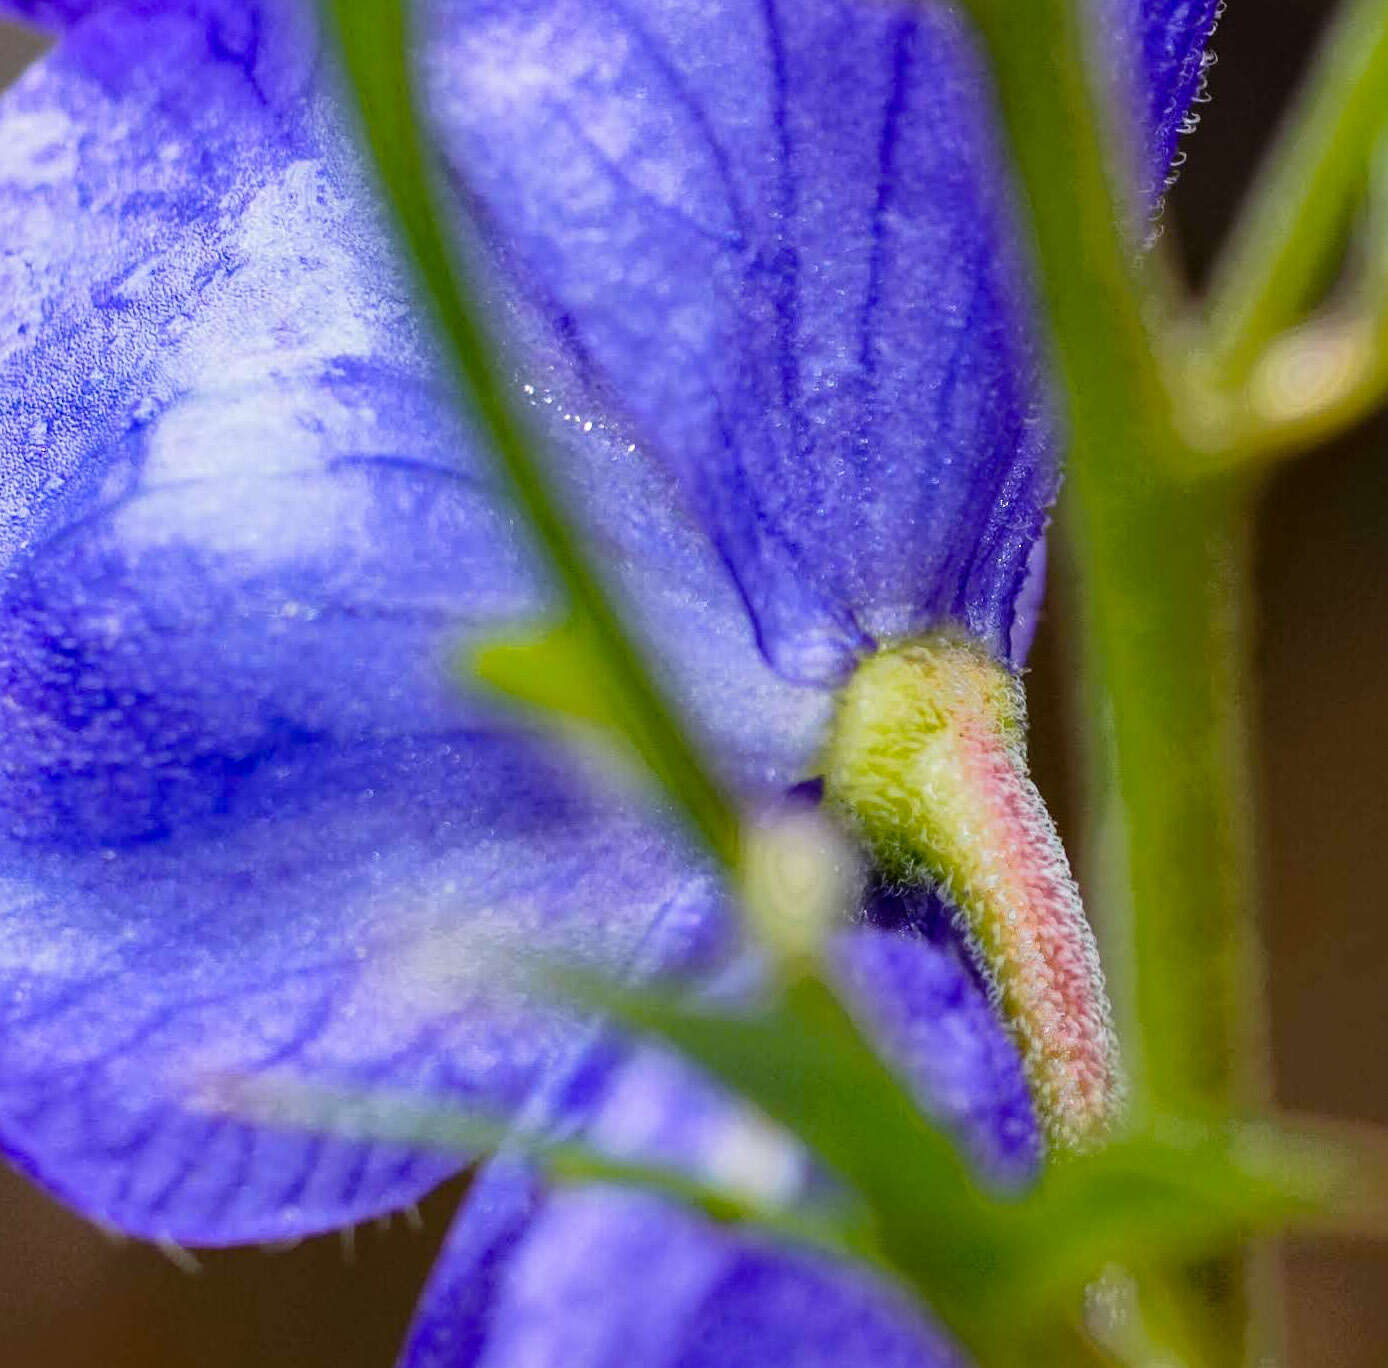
x=375 y=44
x=1162 y=574
x=1314 y=379
x=1277 y=249
x=1162 y=570
x=1309 y=384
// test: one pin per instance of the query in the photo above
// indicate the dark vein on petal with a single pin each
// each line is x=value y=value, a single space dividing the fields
x=696 y=111
x=237 y=1174
x=205 y=1132
x=892 y=111
x=564 y=115
x=784 y=263
x=291 y=1195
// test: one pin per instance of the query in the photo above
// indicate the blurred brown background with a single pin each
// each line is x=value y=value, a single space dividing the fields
x=70 y=1297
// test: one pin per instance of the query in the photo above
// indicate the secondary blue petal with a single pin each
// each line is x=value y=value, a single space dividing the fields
x=772 y=238
x=240 y=538
x=775 y=238
x=921 y=994
x=598 y=1278
x=607 y=1279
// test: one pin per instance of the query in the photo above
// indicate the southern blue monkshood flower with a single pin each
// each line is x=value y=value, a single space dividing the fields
x=760 y=269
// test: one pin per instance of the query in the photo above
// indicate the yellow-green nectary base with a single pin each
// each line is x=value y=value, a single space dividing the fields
x=927 y=758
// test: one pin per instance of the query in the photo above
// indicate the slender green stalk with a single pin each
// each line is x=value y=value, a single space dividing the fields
x=1308 y=385
x=1323 y=374
x=1277 y=250
x=1162 y=577
x=1161 y=570
x=375 y=45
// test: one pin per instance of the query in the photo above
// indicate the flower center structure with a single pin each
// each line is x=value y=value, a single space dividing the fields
x=927 y=759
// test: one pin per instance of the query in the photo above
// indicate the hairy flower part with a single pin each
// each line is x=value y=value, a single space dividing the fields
x=928 y=757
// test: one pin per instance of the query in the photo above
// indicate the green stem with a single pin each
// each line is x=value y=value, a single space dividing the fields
x=1169 y=669
x=375 y=45
x=1278 y=247
x=1317 y=378
x=1162 y=578
x=1308 y=385
x=1161 y=574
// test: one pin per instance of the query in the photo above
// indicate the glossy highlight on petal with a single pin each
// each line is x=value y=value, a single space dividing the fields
x=927 y=758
